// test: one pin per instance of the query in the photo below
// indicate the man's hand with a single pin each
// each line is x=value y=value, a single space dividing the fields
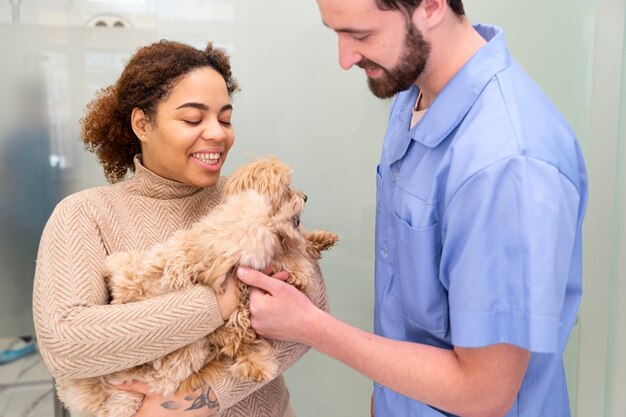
x=228 y=298
x=200 y=403
x=278 y=310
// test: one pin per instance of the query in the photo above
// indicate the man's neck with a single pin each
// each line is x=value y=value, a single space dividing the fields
x=450 y=50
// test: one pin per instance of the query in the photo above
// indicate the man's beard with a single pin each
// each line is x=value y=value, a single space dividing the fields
x=412 y=63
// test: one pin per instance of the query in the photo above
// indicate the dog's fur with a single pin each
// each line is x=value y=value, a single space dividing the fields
x=256 y=224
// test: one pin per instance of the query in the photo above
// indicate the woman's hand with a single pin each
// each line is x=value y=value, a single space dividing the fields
x=202 y=402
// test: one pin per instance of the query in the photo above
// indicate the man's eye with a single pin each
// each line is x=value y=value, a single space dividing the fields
x=361 y=37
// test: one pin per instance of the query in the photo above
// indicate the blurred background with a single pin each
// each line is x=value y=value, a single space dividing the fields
x=298 y=104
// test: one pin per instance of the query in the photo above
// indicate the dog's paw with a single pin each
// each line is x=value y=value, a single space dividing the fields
x=123 y=404
x=256 y=362
x=247 y=369
x=318 y=241
x=299 y=281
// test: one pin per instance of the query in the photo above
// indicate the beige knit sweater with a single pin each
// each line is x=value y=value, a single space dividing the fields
x=81 y=335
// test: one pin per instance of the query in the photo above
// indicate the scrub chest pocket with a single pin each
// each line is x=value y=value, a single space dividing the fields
x=418 y=237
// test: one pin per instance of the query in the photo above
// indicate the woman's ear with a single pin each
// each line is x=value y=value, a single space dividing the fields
x=139 y=122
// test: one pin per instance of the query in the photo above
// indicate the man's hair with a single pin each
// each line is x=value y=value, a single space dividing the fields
x=409 y=6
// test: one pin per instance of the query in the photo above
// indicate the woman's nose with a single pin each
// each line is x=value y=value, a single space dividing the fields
x=214 y=131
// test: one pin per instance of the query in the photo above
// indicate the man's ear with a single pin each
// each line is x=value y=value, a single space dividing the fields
x=139 y=122
x=429 y=14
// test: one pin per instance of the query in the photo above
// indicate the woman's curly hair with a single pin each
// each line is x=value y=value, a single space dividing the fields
x=148 y=78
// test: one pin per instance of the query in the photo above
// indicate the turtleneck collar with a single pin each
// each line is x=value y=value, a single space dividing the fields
x=146 y=183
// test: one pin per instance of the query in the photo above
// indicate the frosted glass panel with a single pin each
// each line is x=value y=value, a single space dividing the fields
x=49 y=74
x=554 y=42
x=616 y=338
x=298 y=104
x=28 y=187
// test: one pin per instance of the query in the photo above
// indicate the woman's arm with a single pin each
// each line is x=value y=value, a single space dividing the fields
x=79 y=334
x=205 y=402
x=199 y=403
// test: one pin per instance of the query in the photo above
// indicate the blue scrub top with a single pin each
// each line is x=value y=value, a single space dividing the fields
x=479 y=212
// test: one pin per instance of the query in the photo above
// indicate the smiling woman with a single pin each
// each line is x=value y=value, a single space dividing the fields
x=175 y=96
x=193 y=135
x=167 y=120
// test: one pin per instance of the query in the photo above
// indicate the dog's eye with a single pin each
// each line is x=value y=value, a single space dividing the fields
x=304 y=196
x=296 y=221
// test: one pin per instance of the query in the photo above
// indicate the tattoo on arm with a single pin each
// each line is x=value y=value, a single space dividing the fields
x=171 y=405
x=206 y=399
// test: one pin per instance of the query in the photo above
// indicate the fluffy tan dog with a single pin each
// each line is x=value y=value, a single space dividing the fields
x=256 y=224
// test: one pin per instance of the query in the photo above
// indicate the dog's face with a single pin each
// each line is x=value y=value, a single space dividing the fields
x=272 y=178
x=287 y=221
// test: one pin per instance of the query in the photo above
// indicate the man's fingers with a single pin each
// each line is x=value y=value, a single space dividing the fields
x=257 y=279
x=269 y=271
x=282 y=275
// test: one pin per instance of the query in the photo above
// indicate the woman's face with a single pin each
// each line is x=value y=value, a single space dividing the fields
x=191 y=135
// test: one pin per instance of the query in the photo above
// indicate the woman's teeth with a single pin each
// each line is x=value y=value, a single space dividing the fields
x=207 y=158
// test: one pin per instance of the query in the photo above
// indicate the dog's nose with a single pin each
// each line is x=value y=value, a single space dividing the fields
x=305 y=197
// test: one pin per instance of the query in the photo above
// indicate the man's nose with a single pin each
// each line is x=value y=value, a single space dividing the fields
x=348 y=55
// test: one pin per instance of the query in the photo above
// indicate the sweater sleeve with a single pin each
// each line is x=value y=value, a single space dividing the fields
x=79 y=334
x=230 y=390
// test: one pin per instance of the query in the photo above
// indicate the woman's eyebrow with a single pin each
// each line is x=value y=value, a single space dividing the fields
x=198 y=106
x=204 y=107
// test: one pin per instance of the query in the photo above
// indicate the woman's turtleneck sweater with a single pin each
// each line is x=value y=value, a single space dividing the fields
x=81 y=335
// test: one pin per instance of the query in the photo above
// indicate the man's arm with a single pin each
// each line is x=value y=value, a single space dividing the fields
x=469 y=382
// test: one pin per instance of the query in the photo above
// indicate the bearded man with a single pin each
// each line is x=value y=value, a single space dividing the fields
x=481 y=194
